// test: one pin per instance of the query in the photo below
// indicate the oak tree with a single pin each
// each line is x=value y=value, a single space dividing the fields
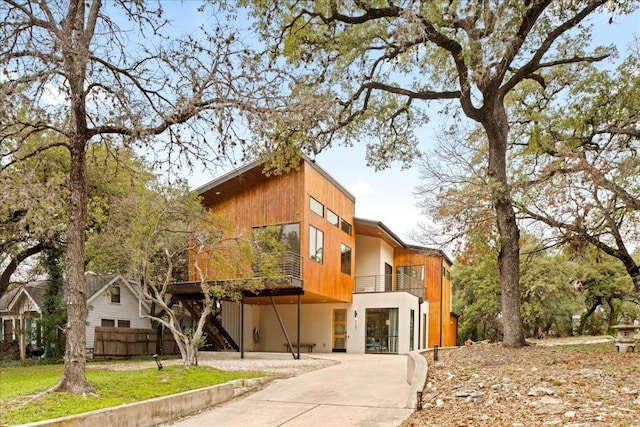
x=87 y=71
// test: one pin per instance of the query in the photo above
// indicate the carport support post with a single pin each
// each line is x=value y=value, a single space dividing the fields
x=298 y=327
x=242 y=328
x=284 y=330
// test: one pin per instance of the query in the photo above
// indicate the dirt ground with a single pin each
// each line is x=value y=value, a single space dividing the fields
x=539 y=385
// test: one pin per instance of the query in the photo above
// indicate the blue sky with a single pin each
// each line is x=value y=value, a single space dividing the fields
x=387 y=195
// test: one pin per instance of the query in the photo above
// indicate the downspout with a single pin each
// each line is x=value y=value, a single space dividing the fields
x=441 y=296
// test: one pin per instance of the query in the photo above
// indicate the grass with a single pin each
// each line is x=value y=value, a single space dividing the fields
x=20 y=385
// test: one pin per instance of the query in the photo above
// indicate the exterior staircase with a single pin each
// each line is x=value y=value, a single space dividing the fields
x=216 y=335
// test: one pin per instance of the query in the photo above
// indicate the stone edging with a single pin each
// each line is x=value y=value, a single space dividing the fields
x=158 y=410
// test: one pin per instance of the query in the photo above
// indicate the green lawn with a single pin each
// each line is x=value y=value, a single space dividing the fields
x=18 y=384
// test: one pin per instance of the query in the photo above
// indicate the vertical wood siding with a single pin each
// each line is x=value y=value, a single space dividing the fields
x=326 y=279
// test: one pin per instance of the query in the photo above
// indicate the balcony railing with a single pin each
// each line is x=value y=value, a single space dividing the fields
x=287 y=275
x=289 y=266
x=389 y=283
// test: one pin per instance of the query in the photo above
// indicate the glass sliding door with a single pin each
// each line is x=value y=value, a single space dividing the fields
x=382 y=330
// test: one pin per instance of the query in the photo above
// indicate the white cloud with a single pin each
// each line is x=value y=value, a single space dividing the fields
x=361 y=188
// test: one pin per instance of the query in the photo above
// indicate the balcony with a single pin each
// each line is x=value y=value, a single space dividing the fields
x=288 y=276
x=389 y=283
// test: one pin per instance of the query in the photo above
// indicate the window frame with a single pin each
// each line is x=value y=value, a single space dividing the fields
x=316 y=207
x=314 y=248
x=331 y=213
x=103 y=321
x=345 y=263
x=116 y=293
x=346 y=227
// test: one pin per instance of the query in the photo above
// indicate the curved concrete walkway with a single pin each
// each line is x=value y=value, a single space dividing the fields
x=361 y=390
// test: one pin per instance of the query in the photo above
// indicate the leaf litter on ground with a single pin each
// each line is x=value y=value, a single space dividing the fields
x=487 y=384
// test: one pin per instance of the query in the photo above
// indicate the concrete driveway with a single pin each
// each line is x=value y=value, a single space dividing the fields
x=361 y=390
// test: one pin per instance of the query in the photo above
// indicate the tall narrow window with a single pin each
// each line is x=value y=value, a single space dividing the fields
x=316 y=206
x=115 y=294
x=316 y=244
x=345 y=259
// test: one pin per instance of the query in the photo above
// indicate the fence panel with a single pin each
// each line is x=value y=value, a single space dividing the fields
x=127 y=342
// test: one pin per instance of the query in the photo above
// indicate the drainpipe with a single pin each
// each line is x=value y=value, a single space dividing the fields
x=441 y=296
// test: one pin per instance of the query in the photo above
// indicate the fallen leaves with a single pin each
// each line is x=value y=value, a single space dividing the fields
x=573 y=386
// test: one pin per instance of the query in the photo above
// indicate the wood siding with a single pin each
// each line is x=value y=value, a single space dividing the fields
x=442 y=326
x=326 y=279
x=285 y=199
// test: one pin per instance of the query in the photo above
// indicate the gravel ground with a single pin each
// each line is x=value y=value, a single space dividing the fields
x=278 y=365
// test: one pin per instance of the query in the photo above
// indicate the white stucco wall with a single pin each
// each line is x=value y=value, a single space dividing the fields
x=371 y=255
x=101 y=307
x=403 y=301
x=315 y=322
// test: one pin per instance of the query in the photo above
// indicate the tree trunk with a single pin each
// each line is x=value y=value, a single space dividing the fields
x=497 y=128
x=73 y=376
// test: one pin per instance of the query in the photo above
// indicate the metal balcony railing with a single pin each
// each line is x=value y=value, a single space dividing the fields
x=399 y=282
x=289 y=266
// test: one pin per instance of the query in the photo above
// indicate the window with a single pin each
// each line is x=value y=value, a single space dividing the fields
x=115 y=294
x=316 y=206
x=412 y=315
x=382 y=330
x=332 y=217
x=316 y=244
x=346 y=227
x=286 y=233
x=124 y=323
x=110 y=323
x=345 y=259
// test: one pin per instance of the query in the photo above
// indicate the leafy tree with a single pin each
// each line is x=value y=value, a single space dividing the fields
x=90 y=71
x=378 y=58
x=54 y=313
x=604 y=287
x=578 y=173
x=178 y=229
x=549 y=302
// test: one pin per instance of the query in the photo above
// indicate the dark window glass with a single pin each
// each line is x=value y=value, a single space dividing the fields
x=124 y=323
x=115 y=294
x=345 y=259
x=108 y=323
x=346 y=227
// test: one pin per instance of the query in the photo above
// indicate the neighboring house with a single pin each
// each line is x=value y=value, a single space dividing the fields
x=21 y=307
x=111 y=300
x=350 y=283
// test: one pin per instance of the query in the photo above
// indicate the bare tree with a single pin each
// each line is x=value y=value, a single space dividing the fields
x=90 y=70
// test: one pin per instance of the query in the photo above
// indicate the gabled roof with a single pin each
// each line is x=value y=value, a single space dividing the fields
x=33 y=291
x=96 y=284
x=252 y=173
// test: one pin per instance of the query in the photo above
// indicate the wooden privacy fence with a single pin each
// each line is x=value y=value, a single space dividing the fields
x=127 y=342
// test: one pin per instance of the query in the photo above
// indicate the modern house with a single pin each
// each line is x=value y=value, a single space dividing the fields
x=111 y=299
x=349 y=284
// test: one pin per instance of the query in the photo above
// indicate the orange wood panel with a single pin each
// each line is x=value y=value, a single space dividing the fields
x=326 y=278
x=285 y=199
